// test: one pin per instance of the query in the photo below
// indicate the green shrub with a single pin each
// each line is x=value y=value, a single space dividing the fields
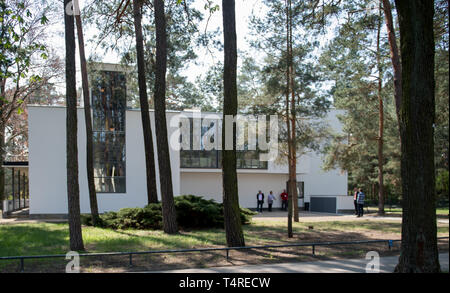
x=192 y=212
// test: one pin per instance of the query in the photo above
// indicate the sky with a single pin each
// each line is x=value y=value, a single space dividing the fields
x=244 y=9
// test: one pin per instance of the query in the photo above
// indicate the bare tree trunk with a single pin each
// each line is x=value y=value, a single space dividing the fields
x=73 y=190
x=88 y=124
x=395 y=57
x=291 y=153
x=2 y=170
x=152 y=195
x=419 y=251
x=2 y=143
x=231 y=209
x=293 y=119
x=380 y=137
x=165 y=174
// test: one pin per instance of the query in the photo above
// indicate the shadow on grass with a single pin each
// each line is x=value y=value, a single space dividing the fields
x=35 y=239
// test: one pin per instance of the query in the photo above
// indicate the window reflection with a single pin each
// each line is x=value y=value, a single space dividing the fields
x=213 y=158
x=109 y=105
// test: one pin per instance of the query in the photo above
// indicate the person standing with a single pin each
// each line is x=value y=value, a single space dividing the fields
x=360 y=199
x=284 y=200
x=260 y=200
x=355 y=199
x=270 y=199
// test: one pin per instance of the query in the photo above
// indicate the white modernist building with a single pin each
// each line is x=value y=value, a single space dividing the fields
x=119 y=165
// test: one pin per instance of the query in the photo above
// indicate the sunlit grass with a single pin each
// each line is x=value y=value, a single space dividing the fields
x=47 y=238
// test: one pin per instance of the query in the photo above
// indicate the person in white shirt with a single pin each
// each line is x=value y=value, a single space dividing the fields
x=270 y=199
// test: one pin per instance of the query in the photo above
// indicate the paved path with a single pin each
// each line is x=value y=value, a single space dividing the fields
x=325 y=217
x=387 y=265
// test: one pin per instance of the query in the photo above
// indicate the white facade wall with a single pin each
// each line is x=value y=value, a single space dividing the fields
x=319 y=182
x=209 y=185
x=47 y=169
x=47 y=163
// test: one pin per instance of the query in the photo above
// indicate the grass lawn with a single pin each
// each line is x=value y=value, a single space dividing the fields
x=52 y=238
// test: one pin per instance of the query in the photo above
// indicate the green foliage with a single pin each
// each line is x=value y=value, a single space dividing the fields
x=441 y=132
x=183 y=39
x=17 y=46
x=350 y=62
x=263 y=84
x=192 y=212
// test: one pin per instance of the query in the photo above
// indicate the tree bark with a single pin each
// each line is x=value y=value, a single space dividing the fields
x=419 y=251
x=88 y=124
x=293 y=172
x=152 y=195
x=2 y=142
x=165 y=174
x=73 y=190
x=232 y=219
x=292 y=175
x=395 y=57
x=380 y=124
x=2 y=170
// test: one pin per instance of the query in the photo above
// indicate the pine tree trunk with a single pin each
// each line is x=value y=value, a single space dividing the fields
x=165 y=174
x=2 y=143
x=291 y=147
x=88 y=124
x=293 y=119
x=395 y=58
x=419 y=251
x=152 y=195
x=380 y=125
x=2 y=170
x=73 y=190
x=231 y=209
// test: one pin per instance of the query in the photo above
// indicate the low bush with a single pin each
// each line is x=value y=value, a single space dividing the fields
x=192 y=212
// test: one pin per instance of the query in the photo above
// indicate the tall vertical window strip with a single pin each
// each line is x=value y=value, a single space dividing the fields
x=109 y=106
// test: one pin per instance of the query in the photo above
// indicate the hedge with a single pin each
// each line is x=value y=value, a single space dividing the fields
x=192 y=212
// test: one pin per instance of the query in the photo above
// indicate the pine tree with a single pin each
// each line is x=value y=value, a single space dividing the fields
x=73 y=190
x=88 y=121
x=233 y=225
x=165 y=174
x=152 y=195
x=419 y=252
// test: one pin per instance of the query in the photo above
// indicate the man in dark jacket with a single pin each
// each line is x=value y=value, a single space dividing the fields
x=260 y=201
x=360 y=199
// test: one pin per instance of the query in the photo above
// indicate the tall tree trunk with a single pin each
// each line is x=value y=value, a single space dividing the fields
x=231 y=209
x=293 y=119
x=2 y=142
x=419 y=251
x=2 y=170
x=292 y=175
x=88 y=124
x=395 y=57
x=73 y=189
x=152 y=194
x=165 y=174
x=380 y=123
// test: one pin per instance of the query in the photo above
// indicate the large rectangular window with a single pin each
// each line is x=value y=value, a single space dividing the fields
x=109 y=106
x=245 y=159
